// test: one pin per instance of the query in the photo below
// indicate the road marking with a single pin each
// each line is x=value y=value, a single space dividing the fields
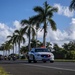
x=50 y=67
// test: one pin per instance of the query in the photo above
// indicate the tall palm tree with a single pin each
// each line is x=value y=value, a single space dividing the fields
x=36 y=22
x=12 y=40
x=72 y=5
x=19 y=37
x=45 y=15
x=29 y=29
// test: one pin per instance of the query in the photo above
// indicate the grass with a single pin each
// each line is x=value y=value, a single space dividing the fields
x=3 y=72
x=64 y=60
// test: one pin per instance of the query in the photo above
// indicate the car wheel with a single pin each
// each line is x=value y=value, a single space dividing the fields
x=34 y=60
x=29 y=61
x=51 y=61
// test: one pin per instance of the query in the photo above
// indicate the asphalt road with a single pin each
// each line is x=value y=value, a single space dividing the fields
x=39 y=68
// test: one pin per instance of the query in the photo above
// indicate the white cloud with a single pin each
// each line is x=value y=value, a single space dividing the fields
x=58 y=36
x=4 y=32
x=64 y=10
x=71 y=30
x=17 y=24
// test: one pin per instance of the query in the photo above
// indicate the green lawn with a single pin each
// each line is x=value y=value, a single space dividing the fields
x=3 y=72
x=64 y=60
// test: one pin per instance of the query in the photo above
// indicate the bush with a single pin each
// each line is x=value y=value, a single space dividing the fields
x=22 y=57
x=60 y=54
x=70 y=54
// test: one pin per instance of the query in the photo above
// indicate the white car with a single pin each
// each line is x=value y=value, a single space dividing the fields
x=40 y=54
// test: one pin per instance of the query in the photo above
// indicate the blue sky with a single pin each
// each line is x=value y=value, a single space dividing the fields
x=13 y=11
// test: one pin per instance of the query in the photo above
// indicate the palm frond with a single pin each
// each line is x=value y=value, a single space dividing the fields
x=53 y=24
x=23 y=22
x=49 y=13
x=24 y=29
x=39 y=9
x=9 y=36
x=16 y=31
x=54 y=9
x=33 y=31
x=72 y=5
x=24 y=40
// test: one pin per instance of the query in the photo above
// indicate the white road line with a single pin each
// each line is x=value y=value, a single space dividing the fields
x=50 y=67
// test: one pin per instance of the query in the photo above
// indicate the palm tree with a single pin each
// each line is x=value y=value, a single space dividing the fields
x=2 y=48
x=72 y=5
x=19 y=37
x=45 y=15
x=12 y=40
x=6 y=47
x=36 y=22
x=29 y=29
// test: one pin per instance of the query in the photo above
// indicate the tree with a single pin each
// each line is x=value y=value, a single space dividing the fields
x=48 y=44
x=72 y=5
x=45 y=16
x=59 y=52
x=12 y=40
x=29 y=29
x=69 y=46
x=24 y=49
x=6 y=47
x=36 y=22
x=2 y=48
x=19 y=37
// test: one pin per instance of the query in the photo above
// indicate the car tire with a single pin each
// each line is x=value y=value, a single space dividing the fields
x=29 y=61
x=34 y=60
x=51 y=61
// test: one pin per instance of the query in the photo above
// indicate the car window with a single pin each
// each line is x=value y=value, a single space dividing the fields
x=41 y=50
x=32 y=51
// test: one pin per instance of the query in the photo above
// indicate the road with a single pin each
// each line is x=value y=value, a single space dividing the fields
x=40 y=68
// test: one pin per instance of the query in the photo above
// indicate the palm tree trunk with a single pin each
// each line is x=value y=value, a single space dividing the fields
x=36 y=37
x=8 y=52
x=19 y=48
x=44 y=37
x=13 y=48
x=3 y=52
x=29 y=40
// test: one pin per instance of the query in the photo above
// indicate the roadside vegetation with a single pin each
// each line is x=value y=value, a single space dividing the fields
x=30 y=27
x=67 y=51
x=3 y=72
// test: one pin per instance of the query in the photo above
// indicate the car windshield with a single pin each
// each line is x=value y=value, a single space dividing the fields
x=41 y=50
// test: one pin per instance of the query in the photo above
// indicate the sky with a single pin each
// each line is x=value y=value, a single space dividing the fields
x=13 y=11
